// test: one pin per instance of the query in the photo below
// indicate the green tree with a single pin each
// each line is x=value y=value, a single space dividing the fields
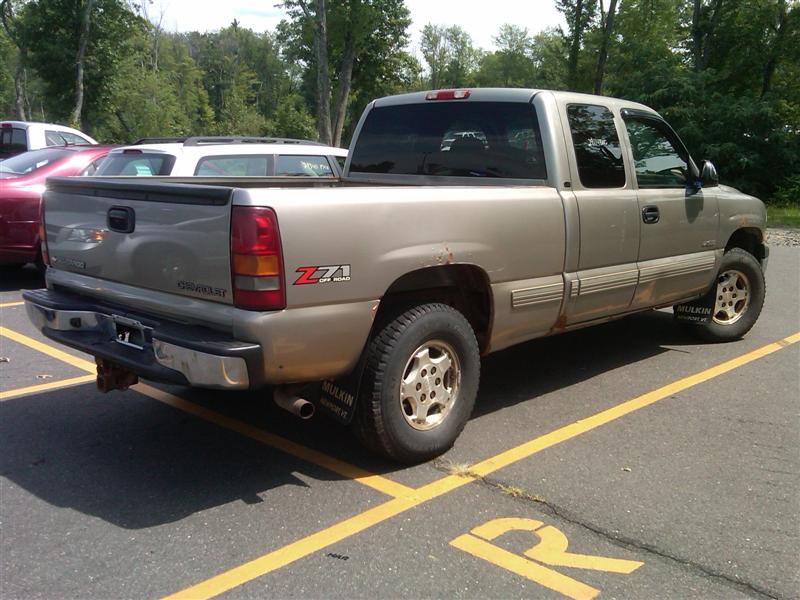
x=344 y=44
x=580 y=15
x=76 y=46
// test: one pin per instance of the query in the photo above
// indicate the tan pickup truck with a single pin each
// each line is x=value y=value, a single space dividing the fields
x=466 y=221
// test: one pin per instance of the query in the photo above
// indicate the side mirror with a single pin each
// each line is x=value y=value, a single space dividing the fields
x=708 y=174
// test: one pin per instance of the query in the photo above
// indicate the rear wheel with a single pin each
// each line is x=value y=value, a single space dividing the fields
x=738 y=298
x=419 y=384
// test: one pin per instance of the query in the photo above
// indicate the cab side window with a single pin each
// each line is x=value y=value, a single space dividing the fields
x=659 y=161
x=597 y=150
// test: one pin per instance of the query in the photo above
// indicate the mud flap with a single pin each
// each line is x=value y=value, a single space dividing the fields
x=338 y=398
x=697 y=311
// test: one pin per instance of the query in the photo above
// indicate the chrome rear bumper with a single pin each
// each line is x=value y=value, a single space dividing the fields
x=148 y=346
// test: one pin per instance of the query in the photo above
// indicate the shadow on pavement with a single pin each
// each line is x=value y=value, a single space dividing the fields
x=134 y=462
x=13 y=279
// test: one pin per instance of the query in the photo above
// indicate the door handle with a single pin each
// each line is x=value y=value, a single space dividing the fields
x=650 y=214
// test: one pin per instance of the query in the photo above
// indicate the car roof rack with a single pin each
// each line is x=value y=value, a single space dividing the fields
x=159 y=140
x=238 y=139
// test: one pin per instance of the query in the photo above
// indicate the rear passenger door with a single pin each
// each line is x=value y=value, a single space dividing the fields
x=679 y=227
x=609 y=223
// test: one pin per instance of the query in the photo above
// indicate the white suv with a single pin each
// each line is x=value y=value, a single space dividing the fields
x=224 y=157
x=17 y=137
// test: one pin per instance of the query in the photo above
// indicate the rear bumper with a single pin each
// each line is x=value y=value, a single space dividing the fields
x=151 y=347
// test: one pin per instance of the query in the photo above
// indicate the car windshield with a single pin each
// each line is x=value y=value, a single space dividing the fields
x=28 y=162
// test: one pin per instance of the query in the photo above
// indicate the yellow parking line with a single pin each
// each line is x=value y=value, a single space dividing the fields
x=49 y=350
x=44 y=387
x=376 y=482
x=9 y=304
x=382 y=484
x=303 y=547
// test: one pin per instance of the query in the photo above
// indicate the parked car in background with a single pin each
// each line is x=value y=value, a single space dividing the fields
x=224 y=157
x=17 y=137
x=22 y=181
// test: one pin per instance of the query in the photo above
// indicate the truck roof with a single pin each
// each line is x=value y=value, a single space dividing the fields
x=511 y=95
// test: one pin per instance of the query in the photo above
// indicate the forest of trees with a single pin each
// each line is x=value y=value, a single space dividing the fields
x=725 y=73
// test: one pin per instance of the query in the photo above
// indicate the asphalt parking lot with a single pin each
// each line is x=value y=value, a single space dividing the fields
x=625 y=460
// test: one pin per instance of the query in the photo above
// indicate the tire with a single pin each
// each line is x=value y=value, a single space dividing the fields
x=739 y=294
x=427 y=350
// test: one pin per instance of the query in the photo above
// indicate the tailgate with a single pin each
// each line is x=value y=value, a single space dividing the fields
x=172 y=238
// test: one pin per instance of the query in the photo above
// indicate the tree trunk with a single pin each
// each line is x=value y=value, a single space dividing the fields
x=20 y=75
x=75 y=119
x=608 y=29
x=777 y=48
x=343 y=89
x=716 y=15
x=320 y=22
x=19 y=92
x=697 y=35
x=575 y=45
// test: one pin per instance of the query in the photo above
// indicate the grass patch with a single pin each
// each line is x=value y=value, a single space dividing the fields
x=518 y=492
x=783 y=216
x=458 y=469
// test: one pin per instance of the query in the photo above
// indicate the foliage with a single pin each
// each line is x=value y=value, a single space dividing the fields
x=49 y=30
x=725 y=73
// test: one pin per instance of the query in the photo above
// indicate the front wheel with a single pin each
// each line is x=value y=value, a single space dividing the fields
x=739 y=294
x=419 y=384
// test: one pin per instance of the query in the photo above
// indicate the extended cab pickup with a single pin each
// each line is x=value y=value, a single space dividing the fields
x=466 y=221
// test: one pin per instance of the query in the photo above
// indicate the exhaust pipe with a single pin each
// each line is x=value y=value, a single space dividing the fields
x=288 y=400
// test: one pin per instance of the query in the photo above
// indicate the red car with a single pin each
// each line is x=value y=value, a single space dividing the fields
x=22 y=181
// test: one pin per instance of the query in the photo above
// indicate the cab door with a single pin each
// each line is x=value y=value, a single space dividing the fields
x=679 y=222
x=607 y=274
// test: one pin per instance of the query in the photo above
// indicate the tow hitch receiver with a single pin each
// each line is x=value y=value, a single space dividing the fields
x=111 y=376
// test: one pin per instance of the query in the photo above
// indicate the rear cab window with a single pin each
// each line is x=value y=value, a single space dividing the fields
x=135 y=163
x=598 y=153
x=481 y=140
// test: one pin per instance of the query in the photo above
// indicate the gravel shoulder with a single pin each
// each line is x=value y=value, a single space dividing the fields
x=780 y=236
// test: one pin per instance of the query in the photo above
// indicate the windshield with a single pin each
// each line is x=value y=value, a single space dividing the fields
x=28 y=162
x=135 y=163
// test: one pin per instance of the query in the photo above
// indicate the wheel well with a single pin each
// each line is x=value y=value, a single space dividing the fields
x=464 y=287
x=748 y=239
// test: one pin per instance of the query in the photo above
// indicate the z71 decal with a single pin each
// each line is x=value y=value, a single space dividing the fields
x=323 y=274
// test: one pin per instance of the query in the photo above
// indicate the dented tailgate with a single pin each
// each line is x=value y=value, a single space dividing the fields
x=171 y=238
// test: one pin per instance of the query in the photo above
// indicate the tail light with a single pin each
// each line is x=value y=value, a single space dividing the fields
x=256 y=261
x=42 y=237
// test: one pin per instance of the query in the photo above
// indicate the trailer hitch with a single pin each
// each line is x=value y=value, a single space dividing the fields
x=111 y=376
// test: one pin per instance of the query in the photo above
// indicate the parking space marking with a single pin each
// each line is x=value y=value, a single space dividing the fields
x=10 y=304
x=551 y=549
x=267 y=563
x=45 y=387
x=340 y=467
x=49 y=350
